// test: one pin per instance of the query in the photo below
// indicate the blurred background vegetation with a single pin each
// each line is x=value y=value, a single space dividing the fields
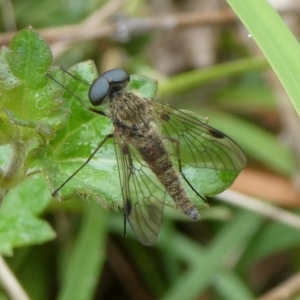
x=247 y=244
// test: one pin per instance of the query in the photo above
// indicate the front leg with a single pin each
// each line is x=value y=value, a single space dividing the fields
x=99 y=112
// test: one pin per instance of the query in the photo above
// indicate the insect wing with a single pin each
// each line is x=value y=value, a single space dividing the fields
x=197 y=144
x=142 y=193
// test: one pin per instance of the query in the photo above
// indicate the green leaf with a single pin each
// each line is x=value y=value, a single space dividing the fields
x=19 y=224
x=92 y=240
x=30 y=106
x=186 y=82
x=210 y=261
x=275 y=40
x=27 y=46
x=74 y=144
x=28 y=97
x=143 y=85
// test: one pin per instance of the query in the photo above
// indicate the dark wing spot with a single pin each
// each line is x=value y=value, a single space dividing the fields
x=217 y=134
x=127 y=207
x=125 y=149
x=164 y=116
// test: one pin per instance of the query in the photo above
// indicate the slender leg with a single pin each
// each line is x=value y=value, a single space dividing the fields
x=84 y=164
x=177 y=142
x=96 y=111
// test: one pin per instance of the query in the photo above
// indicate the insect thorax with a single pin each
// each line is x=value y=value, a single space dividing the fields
x=133 y=114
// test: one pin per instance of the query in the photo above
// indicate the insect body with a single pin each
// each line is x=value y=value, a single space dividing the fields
x=135 y=126
x=142 y=127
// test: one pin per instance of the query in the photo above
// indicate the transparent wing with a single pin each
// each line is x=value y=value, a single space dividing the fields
x=143 y=195
x=197 y=144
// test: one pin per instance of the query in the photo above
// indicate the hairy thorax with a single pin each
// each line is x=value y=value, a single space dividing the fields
x=134 y=114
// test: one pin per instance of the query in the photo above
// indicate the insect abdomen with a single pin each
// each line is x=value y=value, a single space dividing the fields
x=155 y=155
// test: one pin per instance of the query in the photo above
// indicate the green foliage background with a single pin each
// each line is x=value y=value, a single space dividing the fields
x=66 y=250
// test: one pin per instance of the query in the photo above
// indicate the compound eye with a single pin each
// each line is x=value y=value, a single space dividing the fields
x=117 y=78
x=99 y=90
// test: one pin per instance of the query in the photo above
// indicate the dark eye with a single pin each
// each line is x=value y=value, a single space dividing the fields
x=112 y=80
x=99 y=90
x=117 y=78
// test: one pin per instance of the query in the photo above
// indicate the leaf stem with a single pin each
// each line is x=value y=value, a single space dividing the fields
x=10 y=284
x=9 y=177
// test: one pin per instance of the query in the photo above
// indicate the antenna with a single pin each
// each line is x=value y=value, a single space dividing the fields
x=69 y=91
x=54 y=193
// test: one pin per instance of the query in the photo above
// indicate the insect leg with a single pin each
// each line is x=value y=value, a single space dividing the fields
x=84 y=164
x=177 y=143
x=99 y=112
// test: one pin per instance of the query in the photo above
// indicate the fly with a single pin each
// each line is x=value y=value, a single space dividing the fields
x=149 y=136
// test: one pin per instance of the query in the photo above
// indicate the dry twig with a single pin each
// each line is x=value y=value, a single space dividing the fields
x=124 y=28
x=285 y=291
x=10 y=283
